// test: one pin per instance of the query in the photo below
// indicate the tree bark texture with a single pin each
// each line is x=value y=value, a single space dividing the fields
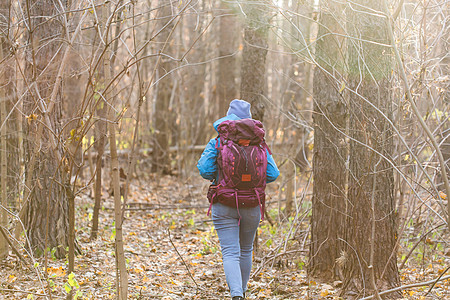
x=330 y=149
x=47 y=213
x=163 y=112
x=370 y=258
x=228 y=46
x=73 y=86
x=253 y=69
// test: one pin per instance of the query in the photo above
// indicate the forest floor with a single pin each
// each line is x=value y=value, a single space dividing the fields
x=167 y=235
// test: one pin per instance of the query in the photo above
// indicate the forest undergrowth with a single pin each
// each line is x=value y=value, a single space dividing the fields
x=167 y=235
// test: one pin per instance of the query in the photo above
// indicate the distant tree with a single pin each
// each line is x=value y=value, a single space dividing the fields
x=194 y=79
x=46 y=217
x=195 y=35
x=297 y=29
x=162 y=112
x=253 y=69
x=330 y=147
x=370 y=258
x=228 y=45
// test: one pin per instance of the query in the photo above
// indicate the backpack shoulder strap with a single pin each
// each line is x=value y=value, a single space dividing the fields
x=265 y=146
x=217 y=142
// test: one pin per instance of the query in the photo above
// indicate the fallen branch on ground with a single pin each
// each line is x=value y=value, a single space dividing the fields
x=404 y=287
x=27 y=292
x=184 y=263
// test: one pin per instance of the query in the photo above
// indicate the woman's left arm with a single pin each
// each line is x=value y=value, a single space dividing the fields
x=207 y=165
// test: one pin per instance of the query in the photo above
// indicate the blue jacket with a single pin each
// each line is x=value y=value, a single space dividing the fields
x=207 y=164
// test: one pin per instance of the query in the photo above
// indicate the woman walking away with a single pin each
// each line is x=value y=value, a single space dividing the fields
x=239 y=164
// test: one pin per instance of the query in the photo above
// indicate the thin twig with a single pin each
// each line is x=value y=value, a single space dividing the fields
x=398 y=10
x=26 y=292
x=436 y=281
x=5 y=235
x=418 y=242
x=184 y=263
x=192 y=46
x=416 y=111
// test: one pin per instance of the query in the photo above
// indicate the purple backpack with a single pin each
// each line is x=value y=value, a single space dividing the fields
x=242 y=164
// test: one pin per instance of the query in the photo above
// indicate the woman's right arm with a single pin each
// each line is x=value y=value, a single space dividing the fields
x=207 y=164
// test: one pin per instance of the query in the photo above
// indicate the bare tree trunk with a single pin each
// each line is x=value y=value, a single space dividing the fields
x=100 y=137
x=121 y=268
x=253 y=68
x=47 y=213
x=330 y=150
x=120 y=254
x=228 y=45
x=370 y=258
x=3 y=161
x=9 y=164
x=445 y=132
x=100 y=109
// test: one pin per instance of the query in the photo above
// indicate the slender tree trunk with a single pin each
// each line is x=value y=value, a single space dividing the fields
x=370 y=258
x=118 y=218
x=121 y=268
x=47 y=213
x=9 y=158
x=100 y=109
x=100 y=137
x=120 y=254
x=228 y=45
x=330 y=150
x=3 y=161
x=444 y=138
x=253 y=68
